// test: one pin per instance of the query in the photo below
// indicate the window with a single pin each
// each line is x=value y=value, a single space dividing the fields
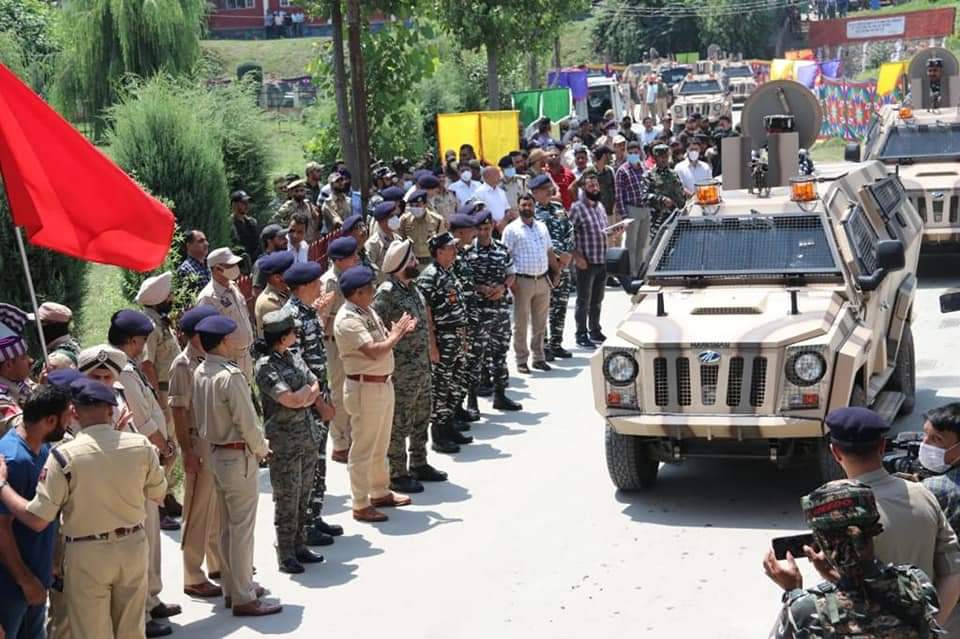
x=922 y=141
x=239 y=4
x=864 y=240
x=697 y=87
x=284 y=3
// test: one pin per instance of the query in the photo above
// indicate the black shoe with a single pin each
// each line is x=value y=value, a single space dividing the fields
x=172 y=506
x=307 y=556
x=472 y=407
x=583 y=340
x=165 y=611
x=484 y=390
x=547 y=354
x=597 y=336
x=559 y=351
x=459 y=438
x=316 y=537
x=428 y=473
x=461 y=426
x=502 y=402
x=291 y=566
x=541 y=366
x=465 y=415
x=523 y=368
x=158 y=629
x=406 y=485
x=441 y=442
x=330 y=529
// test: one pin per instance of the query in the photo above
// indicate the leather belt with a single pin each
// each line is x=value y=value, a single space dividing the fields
x=532 y=277
x=231 y=445
x=116 y=532
x=376 y=379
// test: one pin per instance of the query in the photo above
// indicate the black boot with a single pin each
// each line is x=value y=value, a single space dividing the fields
x=485 y=387
x=472 y=407
x=502 y=402
x=317 y=537
x=333 y=530
x=456 y=436
x=428 y=473
x=441 y=443
x=466 y=415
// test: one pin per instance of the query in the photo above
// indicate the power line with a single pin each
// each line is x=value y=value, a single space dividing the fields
x=675 y=10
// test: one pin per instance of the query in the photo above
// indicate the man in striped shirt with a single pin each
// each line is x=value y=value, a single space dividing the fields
x=631 y=203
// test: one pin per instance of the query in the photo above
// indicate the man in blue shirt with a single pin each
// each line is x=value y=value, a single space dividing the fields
x=26 y=557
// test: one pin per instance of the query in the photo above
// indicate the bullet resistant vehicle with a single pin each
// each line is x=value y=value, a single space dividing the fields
x=705 y=94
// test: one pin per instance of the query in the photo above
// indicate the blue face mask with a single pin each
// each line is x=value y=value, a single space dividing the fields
x=633 y=158
x=509 y=172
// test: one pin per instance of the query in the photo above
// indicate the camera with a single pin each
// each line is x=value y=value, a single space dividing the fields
x=903 y=455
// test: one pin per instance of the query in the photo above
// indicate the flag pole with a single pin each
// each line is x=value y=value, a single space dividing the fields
x=33 y=293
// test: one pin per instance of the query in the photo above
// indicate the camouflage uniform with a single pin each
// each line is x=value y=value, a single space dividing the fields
x=561 y=235
x=65 y=346
x=660 y=184
x=334 y=211
x=10 y=395
x=411 y=378
x=476 y=333
x=291 y=207
x=310 y=347
x=293 y=436
x=492 y=265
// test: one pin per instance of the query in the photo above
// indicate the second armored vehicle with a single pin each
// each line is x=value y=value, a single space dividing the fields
x=704 y=94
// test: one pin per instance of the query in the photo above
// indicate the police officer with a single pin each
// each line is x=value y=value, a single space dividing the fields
x=492 y=267
x=62 y=347
x=366 y=348
x=96 y=483
x=413 y=356
x=420 y=222
x=201 y=523
x=871 y=598
x=228 y=422
x=276 y=293
x=443 y=292
x=15 y=365
x=306 y=302
x=514 y=183
x=355 y=227
x=342 y=253
x=288 y=393
x=463 y=225
x=387 y=219
x=222 y=293
x=561 y=236
x=664 y=189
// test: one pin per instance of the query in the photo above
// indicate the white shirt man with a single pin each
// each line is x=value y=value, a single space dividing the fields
x=647 y=136
x=491 y=194
x=465 y=189
x=692 y=170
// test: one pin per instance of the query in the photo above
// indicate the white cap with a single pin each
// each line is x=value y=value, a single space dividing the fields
x=155 y=290
x=222 y=256
x=398 y=254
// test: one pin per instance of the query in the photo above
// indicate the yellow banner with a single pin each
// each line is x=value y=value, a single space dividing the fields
x=889 y=77
x=493 y=134
x=781 y=69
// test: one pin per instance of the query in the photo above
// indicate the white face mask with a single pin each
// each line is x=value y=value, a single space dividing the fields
x=231 y=272
x=466 y=176
x=932 y=458
x=509 y=172
x=407 y=184
x=417 y=211
x=393 y=223
x=693 y=155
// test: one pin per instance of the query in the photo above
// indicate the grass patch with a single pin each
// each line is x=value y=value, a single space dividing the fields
x=288 y=135
x=576 y=43
x=283 y=57
x=103 y=299
x=829 y=150
x=912 y=5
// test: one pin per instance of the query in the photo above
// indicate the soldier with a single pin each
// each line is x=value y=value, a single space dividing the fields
x=387 y=217
x=97 y=483
x=443 y=293
x=342 y=253
x=222 y=294
x=276 y=293
x=201 y=522
x=419 y=223
x=492 y=266
x=224 y=409
x=273 y=239
x=244 y=229
x=15 y=365
x=314 y=174
x=561 y=237
x=355 y=227
x=306 y=302
x=413 y=356
x=62 y=347
x=337 y=207
x=464 y=227
x=664 y=190
x=289 y=393
x=298 y=204
x=870 y=599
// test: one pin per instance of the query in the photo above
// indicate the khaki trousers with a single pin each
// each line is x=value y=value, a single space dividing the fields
x=172 y=435
x=370 y=405
x=105 y=585
x=151 y=526
x=531 y=304
x=201 y=520
x=235 y=475
x=340 y=426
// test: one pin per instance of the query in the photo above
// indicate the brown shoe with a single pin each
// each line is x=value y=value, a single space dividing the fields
x=228 y=603
x=340 y=456
x=203 y=589
x=369 y=514
x=256 y=608
x=391 y=500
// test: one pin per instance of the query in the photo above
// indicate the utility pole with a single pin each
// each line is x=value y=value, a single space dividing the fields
x=340 y=90
x=361 y=131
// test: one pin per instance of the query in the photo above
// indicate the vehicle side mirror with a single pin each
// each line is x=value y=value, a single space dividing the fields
x=618 y=262
x=851 y=153
x=950 y=302
x=890 y=257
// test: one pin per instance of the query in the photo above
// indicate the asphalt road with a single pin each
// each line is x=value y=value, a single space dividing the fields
x=529 y=538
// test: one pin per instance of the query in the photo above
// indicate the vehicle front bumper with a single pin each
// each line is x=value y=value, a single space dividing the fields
x=708 y=427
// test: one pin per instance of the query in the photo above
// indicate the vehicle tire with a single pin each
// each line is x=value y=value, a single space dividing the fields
x=629 y=462
x=829 y=468
x=904 y=378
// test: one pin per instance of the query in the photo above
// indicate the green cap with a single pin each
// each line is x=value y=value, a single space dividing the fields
x=840 y=503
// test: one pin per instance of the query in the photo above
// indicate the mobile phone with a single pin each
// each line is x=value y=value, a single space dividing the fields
x=794 y=544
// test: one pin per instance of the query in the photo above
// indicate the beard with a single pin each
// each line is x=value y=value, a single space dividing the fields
x=411 y=271
x=527 y=215
x=56 y=434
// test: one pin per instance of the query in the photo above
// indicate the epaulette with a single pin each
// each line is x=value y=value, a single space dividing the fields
x=62 y=461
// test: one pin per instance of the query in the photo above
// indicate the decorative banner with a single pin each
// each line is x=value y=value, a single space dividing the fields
x=806 y=72
x=848 y=107
x=761 y=70
x=889 y=77
x=528 y=104
x=553 y=103
x=493 y=134
x=781 y=69
x=802 y=54
x=573 y=79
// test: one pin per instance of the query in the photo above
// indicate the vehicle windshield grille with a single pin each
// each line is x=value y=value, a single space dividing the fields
x=922 y=141
x=742 y=246
x=694 y=87
x=739 y=72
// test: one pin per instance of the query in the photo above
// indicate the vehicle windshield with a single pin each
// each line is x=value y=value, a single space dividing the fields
x=694 y=87
x=739 y=72
x=598 y=102
x=670 y=76
x=740 y=247
x=922 y=141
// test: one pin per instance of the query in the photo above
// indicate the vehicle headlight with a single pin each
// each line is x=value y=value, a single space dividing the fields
x=716 y=107
x=806 y=368
x=620 y=368
x=678 y=109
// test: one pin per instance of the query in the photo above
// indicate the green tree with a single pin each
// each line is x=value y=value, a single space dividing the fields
x=746 y=32
x=624 y=30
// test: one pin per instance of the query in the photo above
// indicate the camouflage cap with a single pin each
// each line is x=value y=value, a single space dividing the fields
x=840 y=503
x=279 y=321
x=659 y=149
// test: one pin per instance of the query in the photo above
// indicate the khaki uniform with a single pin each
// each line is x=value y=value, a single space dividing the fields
x=515 y=187
x=228 y=300
x=224 y=410
x=420 y=230
x=369 y=403
x=334 y=211
x=292 y=207
x=201 y=518
x=161 y=348
x=340 y=426
x=271 y=299
x=444 y=203
x=100 y=492
x=376 y=247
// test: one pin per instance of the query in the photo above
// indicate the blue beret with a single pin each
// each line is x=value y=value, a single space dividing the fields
x=88 y=391
x=355 y=277
x=470 y=207
x=855 y=425
x=428 y=181
x=538 y=182
x=392 y=194
x=302 y=273
x=342 y=247
x=216 y=325
x=443 y=240
x=132 y=322
x=351 y=222
x=421 y=173
x=63 y=377
x=461 y=221
x=482 y=216
x=417 y=196
x=190 y=319
x=276 y=262
x=384 y=210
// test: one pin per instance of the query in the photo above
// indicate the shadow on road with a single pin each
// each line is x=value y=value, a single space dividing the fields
x=412 y=522
x=443 y=492
x=479 y=452
x=224 y=624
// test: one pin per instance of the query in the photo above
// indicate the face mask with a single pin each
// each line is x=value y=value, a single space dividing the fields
x=466 y=176
x=693 y=155
x=231 y=272
x=509 y=172
x=407 y=184
x=417 y=211
x=932 y=458
x=393 y=223
x=633 y=158
x=594 y=196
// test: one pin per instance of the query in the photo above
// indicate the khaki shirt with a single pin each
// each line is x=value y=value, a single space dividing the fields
x=291 y=208
x=334 y=211
x=103 y=484
x=228 y=300
x=147 y=415
x=420 y=230
x=161 y=347
x=915 y=530
x=514 y=188
x=181 y=381
x=376 y=248
x=445 y=204
x=355 y=327
x=331 y=282
x=271 y=299
x=223 y=405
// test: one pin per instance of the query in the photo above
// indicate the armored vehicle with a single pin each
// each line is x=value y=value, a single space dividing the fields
x=757 y=312
x=741 y=81
x=920 y=140
x=704 y=94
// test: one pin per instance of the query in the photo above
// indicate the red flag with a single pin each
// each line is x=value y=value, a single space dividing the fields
x=70 y=197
